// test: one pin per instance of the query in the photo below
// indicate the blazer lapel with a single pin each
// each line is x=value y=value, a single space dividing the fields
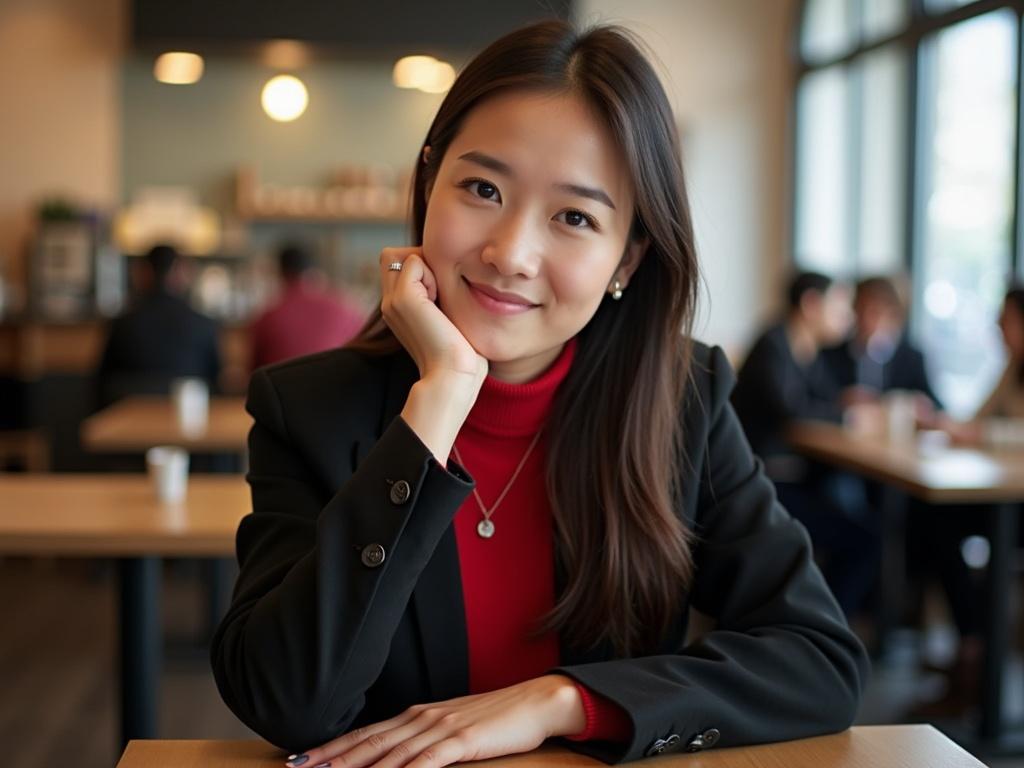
x=437 y=601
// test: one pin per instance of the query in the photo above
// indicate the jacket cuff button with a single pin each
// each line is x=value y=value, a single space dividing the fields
x=373 y=555
x=400 y=492
x=656 y=748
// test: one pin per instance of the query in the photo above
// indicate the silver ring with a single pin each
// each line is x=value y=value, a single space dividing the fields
x=395 y=266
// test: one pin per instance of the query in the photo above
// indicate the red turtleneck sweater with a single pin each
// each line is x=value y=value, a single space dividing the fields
x=508 y=580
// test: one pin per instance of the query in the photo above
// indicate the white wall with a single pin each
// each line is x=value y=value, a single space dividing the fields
x=726 y=67
x=59 y=94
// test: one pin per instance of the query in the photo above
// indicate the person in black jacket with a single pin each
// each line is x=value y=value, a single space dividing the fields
x=784 y=381
x=878 y=357
x=783 y=378
x=549 y=214
x=159 y=339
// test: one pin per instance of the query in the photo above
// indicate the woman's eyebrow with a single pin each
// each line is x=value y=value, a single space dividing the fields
x=592 y=192
x=487 y=161
x=498 y=166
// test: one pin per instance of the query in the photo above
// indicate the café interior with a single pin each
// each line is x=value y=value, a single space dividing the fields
x=874 y=143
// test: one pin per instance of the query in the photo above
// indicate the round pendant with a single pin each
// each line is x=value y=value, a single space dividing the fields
x=485 y=528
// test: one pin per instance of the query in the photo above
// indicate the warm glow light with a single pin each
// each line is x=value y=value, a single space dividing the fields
x=411 y=71
x=285 y=54
x=423 y=72
x=178 y=68
x=284 y=98
x=440 y=79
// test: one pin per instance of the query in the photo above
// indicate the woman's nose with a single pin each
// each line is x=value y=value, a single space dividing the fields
x=513 y=248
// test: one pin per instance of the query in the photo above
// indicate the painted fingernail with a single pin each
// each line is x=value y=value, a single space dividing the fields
x=296 y=760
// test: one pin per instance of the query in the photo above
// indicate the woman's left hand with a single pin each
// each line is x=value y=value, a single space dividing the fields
x=503 y=722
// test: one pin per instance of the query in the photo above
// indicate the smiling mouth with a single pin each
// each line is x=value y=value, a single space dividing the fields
x=498 y=304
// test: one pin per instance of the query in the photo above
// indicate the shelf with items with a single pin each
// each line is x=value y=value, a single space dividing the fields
x=374 y=194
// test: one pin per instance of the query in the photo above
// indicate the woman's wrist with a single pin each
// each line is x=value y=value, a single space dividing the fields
x=436 y=409
x=564 y=714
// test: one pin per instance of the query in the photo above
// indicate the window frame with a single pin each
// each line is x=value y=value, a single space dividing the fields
x=921 y=24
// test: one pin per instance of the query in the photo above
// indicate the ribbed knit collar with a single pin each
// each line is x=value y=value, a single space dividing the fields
x=515 y=410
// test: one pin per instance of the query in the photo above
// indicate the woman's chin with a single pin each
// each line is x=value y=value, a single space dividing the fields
x=496 y=350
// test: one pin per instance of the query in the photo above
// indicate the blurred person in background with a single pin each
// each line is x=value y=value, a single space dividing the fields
x=783 y=381
x=160 y=338
x=306 y=318
x=999 y=421
x=878 y=357
x=940 y=537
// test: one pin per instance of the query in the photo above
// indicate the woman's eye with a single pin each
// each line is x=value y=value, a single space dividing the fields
x=578 y=219
x=482 y=189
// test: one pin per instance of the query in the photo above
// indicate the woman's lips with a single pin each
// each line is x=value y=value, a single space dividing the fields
x=495 y=301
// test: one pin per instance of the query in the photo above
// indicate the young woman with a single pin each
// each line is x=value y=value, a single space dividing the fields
x=484 y=523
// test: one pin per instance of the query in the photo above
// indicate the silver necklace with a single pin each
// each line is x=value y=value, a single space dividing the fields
x=485 y=528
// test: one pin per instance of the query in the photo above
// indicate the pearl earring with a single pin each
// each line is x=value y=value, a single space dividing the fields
x=616 y=290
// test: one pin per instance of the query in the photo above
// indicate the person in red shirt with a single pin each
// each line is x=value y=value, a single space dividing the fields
x=306 y=318
x=483 y=522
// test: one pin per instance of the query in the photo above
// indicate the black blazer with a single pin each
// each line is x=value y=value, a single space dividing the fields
x=322 y=636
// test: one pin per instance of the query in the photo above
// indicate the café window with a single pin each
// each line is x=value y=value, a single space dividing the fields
x=905 y=162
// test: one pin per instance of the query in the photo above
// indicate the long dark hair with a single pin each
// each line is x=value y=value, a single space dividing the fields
x=1015 y=296
x=615 y=431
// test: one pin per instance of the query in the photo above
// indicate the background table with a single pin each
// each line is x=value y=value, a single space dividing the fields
x=136 y=424
x=906 y=746
x=941 y=474
x=119 y=516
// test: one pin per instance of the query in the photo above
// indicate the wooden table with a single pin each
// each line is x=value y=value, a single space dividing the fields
x=119 y=516
x=136 y=424
x=906 y=746
x=940 y=474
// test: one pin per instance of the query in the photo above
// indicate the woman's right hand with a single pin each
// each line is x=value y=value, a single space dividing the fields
x=451 y=370
x=408 y=303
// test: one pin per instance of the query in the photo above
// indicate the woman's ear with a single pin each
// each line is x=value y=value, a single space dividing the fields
x=634 y=254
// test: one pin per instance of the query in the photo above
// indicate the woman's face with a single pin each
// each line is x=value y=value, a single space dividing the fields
x=1011 y=323
x=526 y=227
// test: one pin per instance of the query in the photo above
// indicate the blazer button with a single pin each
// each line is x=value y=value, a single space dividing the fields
x=400 y=492
x=373 y=555
x=704 y=740
x=656 y=748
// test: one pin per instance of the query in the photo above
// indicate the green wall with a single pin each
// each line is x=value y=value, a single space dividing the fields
x=198 y=135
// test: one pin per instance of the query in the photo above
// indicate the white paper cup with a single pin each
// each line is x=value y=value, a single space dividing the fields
x=168 y=469
x=191 y=398
x=901 y=415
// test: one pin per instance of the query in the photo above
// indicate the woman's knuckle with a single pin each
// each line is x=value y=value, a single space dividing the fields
x=377 y=741
x=401 y=751
x=450 y=719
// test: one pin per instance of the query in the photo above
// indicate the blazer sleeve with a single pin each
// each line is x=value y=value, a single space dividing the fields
x=780 y=663
x=310 y=623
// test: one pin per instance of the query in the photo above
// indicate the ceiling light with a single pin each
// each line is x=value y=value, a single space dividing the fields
x=440 y=79
x=284 y=98
x=178 y=68
x=411 y=71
